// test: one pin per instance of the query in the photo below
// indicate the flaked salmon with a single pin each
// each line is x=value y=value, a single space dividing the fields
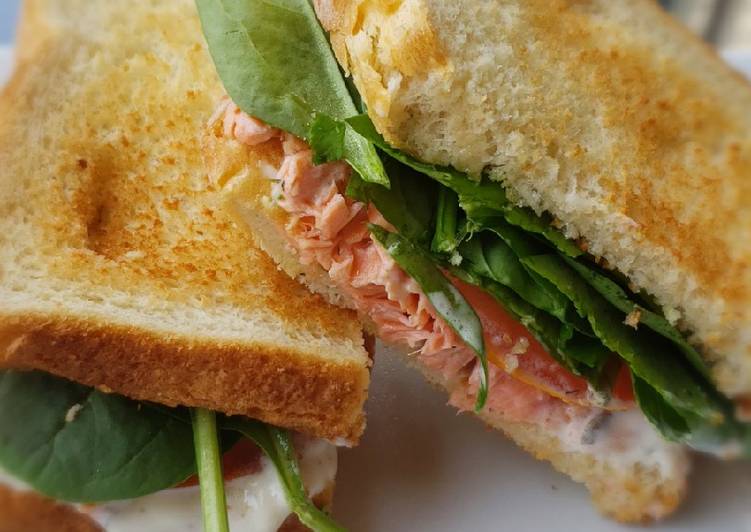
x=329 y=229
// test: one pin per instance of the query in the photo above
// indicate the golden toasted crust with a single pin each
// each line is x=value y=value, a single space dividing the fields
x=118 y=267
x=609 y=115
x=305 y=394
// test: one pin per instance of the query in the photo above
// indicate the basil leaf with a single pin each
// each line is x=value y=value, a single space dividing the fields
x=76 y=444
x=617 y=297
x=277 y=445
x=276 y=64
x=649 y=358
x=446 y=299
x=210 y=476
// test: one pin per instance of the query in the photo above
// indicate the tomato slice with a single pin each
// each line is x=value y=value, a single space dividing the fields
x=623 y=388
x=243 y=459
x=509 y=345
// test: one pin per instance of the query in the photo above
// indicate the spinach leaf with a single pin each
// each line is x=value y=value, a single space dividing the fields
x=672 y=424
x=649 y=356
x=494 y=259
x=679 y=401
x=685 y=427
x=446 y=299
x=277 y=445
x=408 y=205
x=210 y=476
x=528 y=220
x=583 y=337
x=276 y=64
x=617 y=297
x=76 y=444
x=522 y=246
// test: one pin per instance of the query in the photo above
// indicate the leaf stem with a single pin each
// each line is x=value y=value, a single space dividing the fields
x=278 y=446
x=446 y=225
x=211 y=479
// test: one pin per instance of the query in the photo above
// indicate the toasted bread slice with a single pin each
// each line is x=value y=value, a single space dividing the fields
x=117 y=268
x=609 y=115
x=628 y=483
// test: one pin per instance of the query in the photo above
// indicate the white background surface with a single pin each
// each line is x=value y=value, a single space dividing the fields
x=422 y=467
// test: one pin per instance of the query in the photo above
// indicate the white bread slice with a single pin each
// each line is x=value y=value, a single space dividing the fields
x=117 y=267
x=609 y=115
x=624 y=484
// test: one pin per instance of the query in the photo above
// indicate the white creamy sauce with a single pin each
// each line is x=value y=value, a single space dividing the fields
x=623 y=439
x=255 y=502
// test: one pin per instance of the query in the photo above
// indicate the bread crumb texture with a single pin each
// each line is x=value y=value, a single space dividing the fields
x=609 y=115
x=118 y=267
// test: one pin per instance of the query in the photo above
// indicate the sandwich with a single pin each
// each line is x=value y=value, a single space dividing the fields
x=146 y=344
x=544 y=204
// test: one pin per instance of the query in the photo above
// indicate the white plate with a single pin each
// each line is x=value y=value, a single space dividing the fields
x=422 y=467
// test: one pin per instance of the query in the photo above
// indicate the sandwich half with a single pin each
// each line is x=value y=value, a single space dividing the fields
x=131 y=302
x=543 y=203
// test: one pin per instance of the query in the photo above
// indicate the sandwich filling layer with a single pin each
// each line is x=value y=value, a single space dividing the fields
x=444 y=224
x=327 y=228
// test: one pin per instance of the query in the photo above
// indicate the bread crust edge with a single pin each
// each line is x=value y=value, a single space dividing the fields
x=303 y=393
